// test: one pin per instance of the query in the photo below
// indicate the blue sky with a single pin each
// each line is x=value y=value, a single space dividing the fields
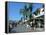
x=14 y=10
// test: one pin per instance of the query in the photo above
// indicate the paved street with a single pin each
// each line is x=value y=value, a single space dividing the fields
x=26 y=28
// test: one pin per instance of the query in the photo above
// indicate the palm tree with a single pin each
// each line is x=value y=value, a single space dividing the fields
x=30 y=8
x=24 y=11
x=27 y=11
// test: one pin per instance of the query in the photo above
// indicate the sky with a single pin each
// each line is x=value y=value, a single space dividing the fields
x=14 y=9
